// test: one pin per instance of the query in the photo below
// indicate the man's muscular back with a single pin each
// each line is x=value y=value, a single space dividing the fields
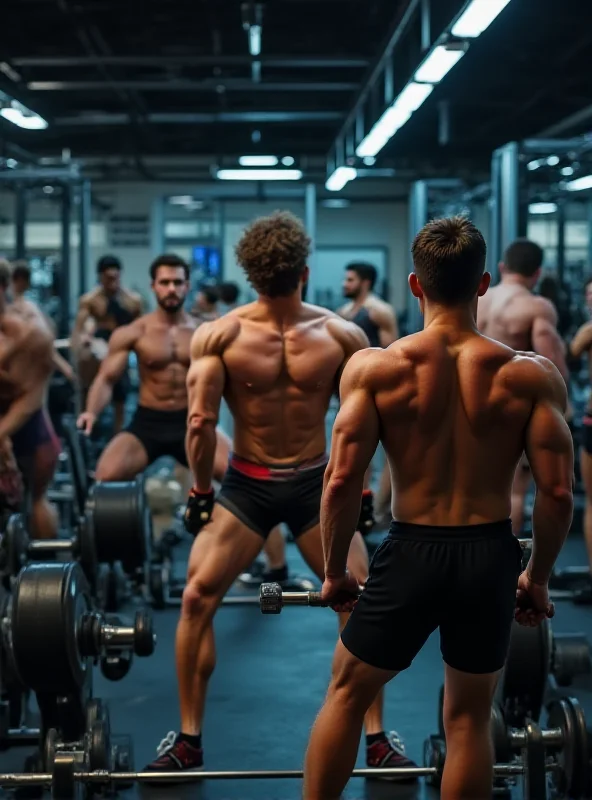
x=31 y=364
x=511 y=314
x=279 y=381
x=453 y=412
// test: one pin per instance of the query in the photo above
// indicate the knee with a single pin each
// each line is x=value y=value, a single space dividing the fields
x=467 y=722
x=200 y=598
x=107 y=472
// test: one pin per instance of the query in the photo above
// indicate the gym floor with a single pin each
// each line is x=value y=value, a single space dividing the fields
x=270 y=681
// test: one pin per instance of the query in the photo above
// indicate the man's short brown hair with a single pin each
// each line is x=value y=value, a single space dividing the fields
x=449 y=260
x=273 y=252
x=524 y=257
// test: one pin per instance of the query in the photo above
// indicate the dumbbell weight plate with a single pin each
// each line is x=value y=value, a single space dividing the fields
x=434 y=755
x=50 y=749
x=156 y=585
x=49 y=601
x=122 y=523
x=87 y=551
x=523 y=682
x=95 y=710
x=99 y=746
x=572 y=780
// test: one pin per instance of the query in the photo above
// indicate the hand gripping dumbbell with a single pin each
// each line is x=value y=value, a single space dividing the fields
x=272 y=599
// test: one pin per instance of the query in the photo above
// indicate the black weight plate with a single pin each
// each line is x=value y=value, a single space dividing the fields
x=50 y=749
x=95 y=710
x=17 y=541
x=49 y=600
x=87 y=551
x=122 y=522
x=523 y=682
x=144 y=634
x=99 y=746
x=499 y=735
x=566 y=713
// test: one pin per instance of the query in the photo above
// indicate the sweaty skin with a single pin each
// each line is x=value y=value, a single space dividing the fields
x=286 y=388
x=95 y=304
x=511 y=314
x=30 y=312
x=163 y=360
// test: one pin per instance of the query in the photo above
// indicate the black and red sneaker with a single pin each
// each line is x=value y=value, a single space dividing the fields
x=388 y=753
x=174 y=755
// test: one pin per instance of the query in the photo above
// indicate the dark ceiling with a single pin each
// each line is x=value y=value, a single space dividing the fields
x=141 y=80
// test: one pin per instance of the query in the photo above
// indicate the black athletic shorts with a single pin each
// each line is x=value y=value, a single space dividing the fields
x=121 y=388
x=587 y=433
x=261 y=496
x=461 y=580
x=162 y=433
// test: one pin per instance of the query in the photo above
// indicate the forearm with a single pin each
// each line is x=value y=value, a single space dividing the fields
x=99 y=396
x=200 y=446
x=340 y=510
x=61 y=364
x=551 y=521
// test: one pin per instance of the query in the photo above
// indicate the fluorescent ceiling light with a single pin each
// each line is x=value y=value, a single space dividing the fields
x=11 y=163
x=579 y=184
x=477 y=17
x=532 y=165
x=567 y=171
x=258 y=161
x=542 y=208
x=369 y=161
x=336 y=202
x=181 y=199
x=288 y=161
x=552 y=161
x=255 y=40
x=337 y=180
x=410 y=99
x=21 y=116
x=438 y=64
x=259 y=174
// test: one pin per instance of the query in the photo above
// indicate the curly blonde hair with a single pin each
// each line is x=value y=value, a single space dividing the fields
x=273 y=252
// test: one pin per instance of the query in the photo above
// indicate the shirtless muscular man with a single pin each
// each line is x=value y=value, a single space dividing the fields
x=455 y=411
x=511 y=314
x=100 y=312
x=161 y=342
x=276 y=362
x=26 y=355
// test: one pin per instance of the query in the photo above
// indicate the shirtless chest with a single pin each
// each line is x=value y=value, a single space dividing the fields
x=160 y=347
x=306 y=361
x=106 y=313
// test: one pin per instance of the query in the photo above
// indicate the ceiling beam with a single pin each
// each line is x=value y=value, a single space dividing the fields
x=209 y=85
x=290 y=62
x=199 y=118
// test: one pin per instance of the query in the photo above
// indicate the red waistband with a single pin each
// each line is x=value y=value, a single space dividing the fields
x=279 y=472
x=587 y=418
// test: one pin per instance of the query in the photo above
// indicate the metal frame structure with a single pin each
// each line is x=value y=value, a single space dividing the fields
x=74 y=190
x=423 y=24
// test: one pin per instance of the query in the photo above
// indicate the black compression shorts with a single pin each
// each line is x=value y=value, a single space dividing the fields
x=261 y=496
x=162 y=433
x=461 y=580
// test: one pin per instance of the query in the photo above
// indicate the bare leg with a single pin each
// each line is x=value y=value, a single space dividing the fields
x=223 y=549
x=118 y=416
x=122 y=460
x=468 y=772
x=520 y=486
x=275 y=549
x=311 y=547
x=586 y=469
x=335 y=737
x=44 y=518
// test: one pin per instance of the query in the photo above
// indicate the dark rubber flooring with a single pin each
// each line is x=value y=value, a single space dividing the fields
x=270 y=681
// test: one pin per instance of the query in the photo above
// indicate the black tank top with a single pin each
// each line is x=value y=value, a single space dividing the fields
x=363 y=321
x=117 y=312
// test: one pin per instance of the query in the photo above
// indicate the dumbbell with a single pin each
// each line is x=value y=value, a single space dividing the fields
x=56 y=635
x=272 y=598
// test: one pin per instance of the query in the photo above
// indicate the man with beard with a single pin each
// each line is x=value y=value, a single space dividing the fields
x=161 y=342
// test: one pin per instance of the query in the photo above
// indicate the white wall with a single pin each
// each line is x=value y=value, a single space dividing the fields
x=360 y=225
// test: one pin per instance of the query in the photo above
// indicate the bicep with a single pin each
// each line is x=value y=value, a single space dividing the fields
x=355 y=434
x=549 y=448
x=581 y=341
x=546 y=340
